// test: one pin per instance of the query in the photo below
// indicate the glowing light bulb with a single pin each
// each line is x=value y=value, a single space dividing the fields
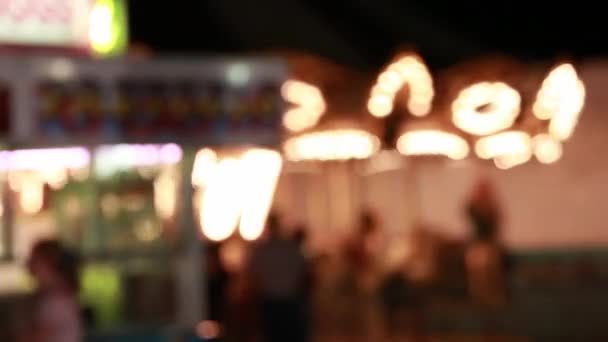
x=547 y=149
x=512 y=143
x=408 y=71
x=332 y=145
x=433 y=142
x=486 y=108
x=309 y=105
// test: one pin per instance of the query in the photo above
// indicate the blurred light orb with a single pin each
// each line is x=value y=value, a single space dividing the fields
x=309 y=105
x=486 y=108
x=433 y=142
x=547 y=149
x=511 y=143
x=407 y=71
x=340 y=144
x=238 y=74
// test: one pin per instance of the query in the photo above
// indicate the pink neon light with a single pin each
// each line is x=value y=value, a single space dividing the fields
x=38 y=159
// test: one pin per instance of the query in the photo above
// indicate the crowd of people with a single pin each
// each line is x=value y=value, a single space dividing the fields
x=277 y=289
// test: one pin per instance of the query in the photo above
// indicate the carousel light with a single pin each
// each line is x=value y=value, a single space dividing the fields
x=564 y=122
x=558 y=92
x=432 y=142
x=310 y=105
x=338 y=144
x=512 y=143
x=486 y=108
x=547 y=149
x=410 y=71
x=261 y=173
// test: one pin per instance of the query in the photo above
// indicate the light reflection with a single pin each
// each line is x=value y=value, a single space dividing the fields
x=486 y=108
x=433 y=142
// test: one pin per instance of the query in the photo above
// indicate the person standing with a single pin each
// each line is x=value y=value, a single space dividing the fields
x=55 y=316
x=279 y=273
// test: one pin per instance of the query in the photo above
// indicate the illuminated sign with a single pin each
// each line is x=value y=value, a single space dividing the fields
x=95 y=25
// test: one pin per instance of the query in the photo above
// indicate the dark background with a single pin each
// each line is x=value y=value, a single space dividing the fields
x=366 y=33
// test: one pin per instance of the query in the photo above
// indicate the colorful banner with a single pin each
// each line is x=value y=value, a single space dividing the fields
x=157 y=109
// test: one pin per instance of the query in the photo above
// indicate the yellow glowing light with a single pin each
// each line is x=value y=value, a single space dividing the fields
x=31 y=197
x=332 y=145
x=561 y=99
x=300 y=118
x=486 y=108
x=512 y=143
x=100 y=31
x=204 y=167
x=410 y=71
x=56 y=178
x=108 y=26
x=433 y=142
x=165 y=193
x=261 y=171
x=562 y=93
x=232 y=189
x=309 y=105
x=547 y=149
x=380 y=105
x=221 y=206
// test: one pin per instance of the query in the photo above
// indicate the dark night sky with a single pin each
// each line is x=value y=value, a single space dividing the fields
x=365 y=33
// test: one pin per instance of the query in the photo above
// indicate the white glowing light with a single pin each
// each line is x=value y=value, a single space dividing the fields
x=560 y=94
x=512 y=143
x=309 y=105
x=547 y=149
x=332 y=145
x=262 y=169
x=203 y=170
x=237 y=188
x=61 y=69
x=486 y=108
x=221 y=206
x=410 y=71
x=561 y=99
x=433 y=142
